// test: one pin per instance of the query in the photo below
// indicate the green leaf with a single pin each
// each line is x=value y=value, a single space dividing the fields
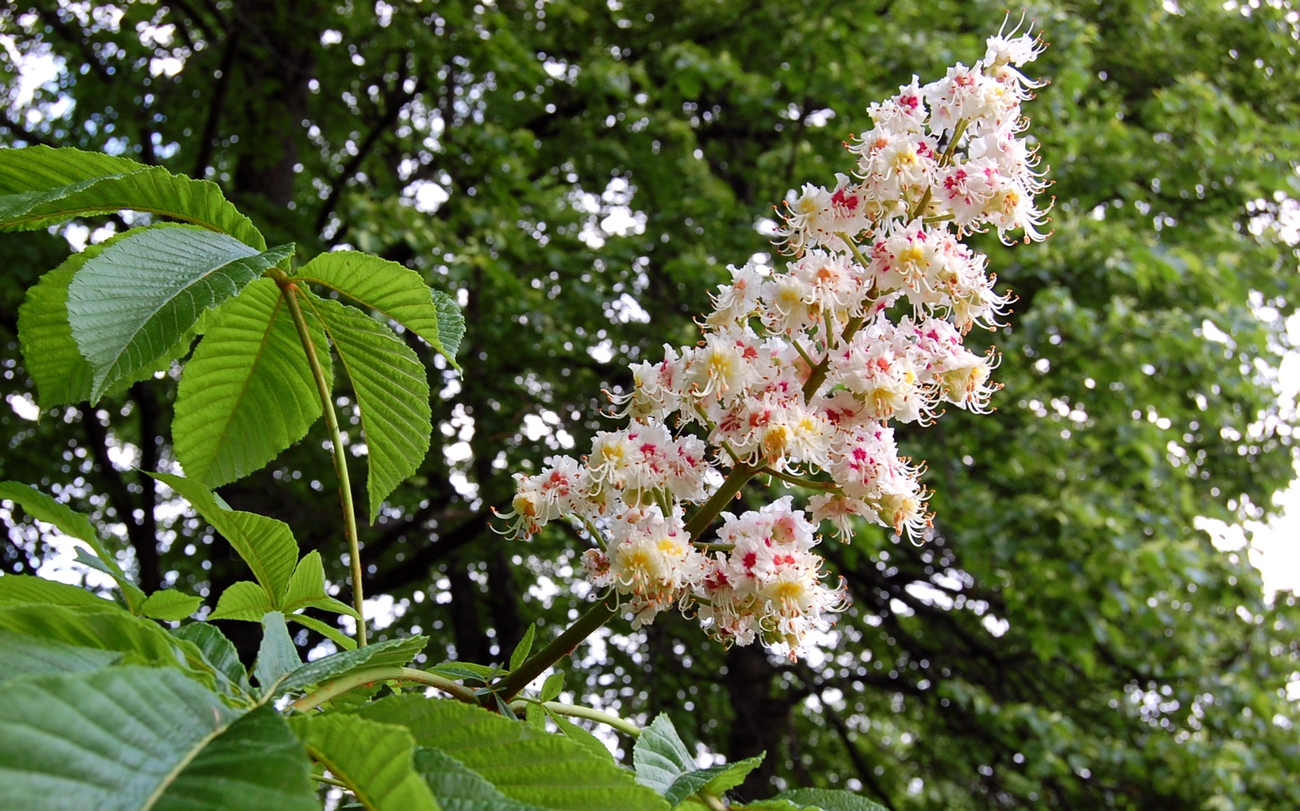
x=665 y=764
x=50 y=354
x=552 y=686
x=333 y=634
x=662 y=760
x=43 y=186
x=244 y=600
x=137 y=298
x=257 y=763
x=307 y=588
x=373 y=759
x=72 y=523
x=523 y=648
x=265 y=544
x=170 y=604
x=466 y=670
x=29 y=655
x=828 y=800
x=26 y=589
x=107 y=627
x=396 y=292
x=389 y=653
x=457 y=787
x=248 y=391
x=392 y=390
x=219 y=652
x=277 y=656
x=580 y=736
x=143 y=738
x=524 y=764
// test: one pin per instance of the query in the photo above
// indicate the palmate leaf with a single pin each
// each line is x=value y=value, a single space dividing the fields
x=50 y=353
x=524 y=764
x=43 y=186
x=248 y=391
x=143 y=738
x=373 y=759
x=131 y=303
x=396 y=292
x=265 y=544
x=392 y=391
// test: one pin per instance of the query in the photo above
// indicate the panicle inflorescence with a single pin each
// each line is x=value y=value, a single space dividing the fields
x=800 y=371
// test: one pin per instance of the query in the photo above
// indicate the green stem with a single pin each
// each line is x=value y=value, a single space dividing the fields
x=711 y=509
x=336 y=688
x=799 y=480
x=563 y=645
x=578 y=711
x=290 y=291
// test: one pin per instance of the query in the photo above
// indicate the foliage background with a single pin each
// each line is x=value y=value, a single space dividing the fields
x=581 y=174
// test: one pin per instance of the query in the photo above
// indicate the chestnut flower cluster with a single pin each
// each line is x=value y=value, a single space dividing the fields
x=801 y=371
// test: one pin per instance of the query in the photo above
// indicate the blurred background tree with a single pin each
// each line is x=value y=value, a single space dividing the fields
x=580 y=174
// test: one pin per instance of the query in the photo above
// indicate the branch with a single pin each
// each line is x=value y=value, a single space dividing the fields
x=383 y=125
x=78 y=39
x=22 y=132
x=216 y=107
x=865 y=772
x=119 y=496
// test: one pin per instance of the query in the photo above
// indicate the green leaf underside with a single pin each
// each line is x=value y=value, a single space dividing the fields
x=104 y=626
x=324 y=629
x=664 y=763
x=248 y=391
x=219 y=652
x=307 y=588
x=392 y=391
x=50 y=353
x=526 y=765
x=660 y=756
x=242 y=600
x=53 y=185
x=143 y=738
x=29 y=655
x=373 y=759
x=170 y=604
x=265 y=544
x=130 y=304
x=457 y=788
x=277 y=656
x=395 y=291
x=827 y=800
x=389 y=653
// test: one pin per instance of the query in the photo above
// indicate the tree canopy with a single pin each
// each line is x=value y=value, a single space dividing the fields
x=579 y=176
